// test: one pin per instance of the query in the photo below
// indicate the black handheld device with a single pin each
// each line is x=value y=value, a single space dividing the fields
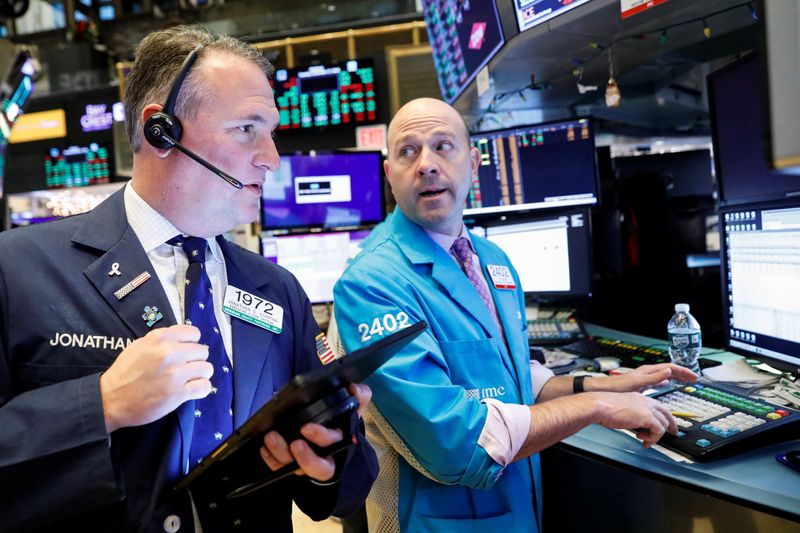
x=235 y=467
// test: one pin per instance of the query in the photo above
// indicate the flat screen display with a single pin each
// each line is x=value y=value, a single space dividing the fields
x=77 y=166
x=342 y=189
x=761 y=279
x=464 y=36
x=739 y=127
x=551 y=253
x=326 y=95
x=531 y=13
x=317 y=259
x=534 y=167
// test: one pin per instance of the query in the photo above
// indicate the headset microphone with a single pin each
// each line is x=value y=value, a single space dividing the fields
x=157 y=132
x=163 y=130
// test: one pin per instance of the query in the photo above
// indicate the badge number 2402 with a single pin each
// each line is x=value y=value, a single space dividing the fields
x=380 y=325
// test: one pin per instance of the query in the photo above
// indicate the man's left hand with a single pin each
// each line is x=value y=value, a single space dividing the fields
x=277 y=453
x=647 y=376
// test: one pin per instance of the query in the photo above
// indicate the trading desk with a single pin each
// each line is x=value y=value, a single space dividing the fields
x=603 y=480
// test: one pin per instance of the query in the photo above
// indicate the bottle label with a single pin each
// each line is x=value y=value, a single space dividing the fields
x=683 y=341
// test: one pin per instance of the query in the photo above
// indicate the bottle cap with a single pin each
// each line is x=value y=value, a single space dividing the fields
x=682 y=308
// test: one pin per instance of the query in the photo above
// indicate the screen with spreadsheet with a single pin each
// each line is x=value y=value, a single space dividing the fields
x=761 y=279
x=316 y=259
x=464 y=36
x=326 y=95
x=552 y=253
x=534 y=167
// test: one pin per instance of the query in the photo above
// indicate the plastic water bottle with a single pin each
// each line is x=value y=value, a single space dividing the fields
x=685 y=339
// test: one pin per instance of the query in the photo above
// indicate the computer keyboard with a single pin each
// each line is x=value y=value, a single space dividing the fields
x=713 y=422
x=630 y=354
x=554 y=327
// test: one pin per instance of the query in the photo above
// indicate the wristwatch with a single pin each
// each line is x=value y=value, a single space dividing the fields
x=577 y=384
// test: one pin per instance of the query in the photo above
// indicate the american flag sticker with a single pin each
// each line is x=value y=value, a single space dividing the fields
x=128 y=287
x=324 y=351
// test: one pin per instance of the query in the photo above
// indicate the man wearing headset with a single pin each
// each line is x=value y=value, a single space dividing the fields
x=102 y=375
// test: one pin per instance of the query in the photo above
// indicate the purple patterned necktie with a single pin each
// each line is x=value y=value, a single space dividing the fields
x=213 y=414
x=463 y=251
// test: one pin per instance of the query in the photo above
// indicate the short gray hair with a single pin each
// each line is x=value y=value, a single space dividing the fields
x=159 y=57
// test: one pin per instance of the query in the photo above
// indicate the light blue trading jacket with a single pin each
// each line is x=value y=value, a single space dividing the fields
x=426 y=414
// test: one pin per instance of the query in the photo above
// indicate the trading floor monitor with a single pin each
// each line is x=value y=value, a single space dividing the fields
x=551 y=252
x=324 y=190
x=534 y=167
x=316 y=259
x=761 y=280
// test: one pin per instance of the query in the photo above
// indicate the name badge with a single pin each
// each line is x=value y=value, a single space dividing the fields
x=501 y=277
x=254 y=309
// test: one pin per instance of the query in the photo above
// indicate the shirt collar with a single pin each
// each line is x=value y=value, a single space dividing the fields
x=151 y=227
x=446 y=241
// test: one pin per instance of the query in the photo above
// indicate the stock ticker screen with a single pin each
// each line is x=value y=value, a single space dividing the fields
x=326 y=95
x=534 y=167
x=531 y=13
x=77 y=166
x=464 y=37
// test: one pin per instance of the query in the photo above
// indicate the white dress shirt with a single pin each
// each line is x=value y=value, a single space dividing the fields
x=170 y=262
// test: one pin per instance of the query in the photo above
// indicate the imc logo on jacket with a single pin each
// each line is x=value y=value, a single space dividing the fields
x=488 y=392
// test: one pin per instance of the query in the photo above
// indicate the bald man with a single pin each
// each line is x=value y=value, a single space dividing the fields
x=459 y=416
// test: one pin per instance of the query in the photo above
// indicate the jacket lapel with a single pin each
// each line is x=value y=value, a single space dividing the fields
x=421 y=249
x=506 y=303
x=107 y=231
x=117 y=244
x=252 y=377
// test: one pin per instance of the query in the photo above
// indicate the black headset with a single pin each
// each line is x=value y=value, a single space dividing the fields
x=163 y=130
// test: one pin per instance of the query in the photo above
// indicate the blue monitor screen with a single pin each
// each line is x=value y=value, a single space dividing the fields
x=739 y=127
x=464 y=36
x=534 y=167
x=324 y=190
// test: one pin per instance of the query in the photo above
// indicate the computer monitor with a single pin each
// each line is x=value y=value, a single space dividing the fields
x=464 y=36
x=531 y=13
x=326 y=95
x=316 y=259
x=77 y=166
x=686 y=173
x=334 y=190
x=534 y=167
x=739 y=126
x=551 y=253
x=761 y=279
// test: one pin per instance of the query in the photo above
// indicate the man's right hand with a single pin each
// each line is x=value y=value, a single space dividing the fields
x=649 y=418
x=154 y=375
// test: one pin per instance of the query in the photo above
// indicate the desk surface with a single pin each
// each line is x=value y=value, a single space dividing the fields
x=754 y=477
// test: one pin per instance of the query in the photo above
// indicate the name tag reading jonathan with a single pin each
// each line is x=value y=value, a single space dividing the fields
x=501 y=277
x=254 y=309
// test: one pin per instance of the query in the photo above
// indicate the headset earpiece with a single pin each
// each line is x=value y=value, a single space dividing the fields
x=165 y=122
x=159 y=124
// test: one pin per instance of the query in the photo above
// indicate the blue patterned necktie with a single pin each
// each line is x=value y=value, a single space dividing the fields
x=213 y=414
